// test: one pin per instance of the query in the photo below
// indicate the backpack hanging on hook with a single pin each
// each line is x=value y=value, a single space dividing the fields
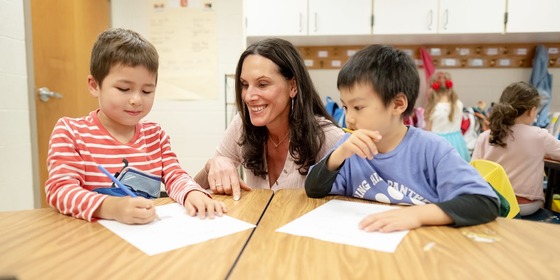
x=336 y=112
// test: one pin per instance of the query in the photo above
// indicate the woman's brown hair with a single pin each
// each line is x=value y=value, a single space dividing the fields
x=306 y=133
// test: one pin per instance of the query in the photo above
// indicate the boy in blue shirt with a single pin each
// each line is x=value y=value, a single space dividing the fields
x=387 y=161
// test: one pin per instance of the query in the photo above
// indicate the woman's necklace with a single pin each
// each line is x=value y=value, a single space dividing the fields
x=275 y=144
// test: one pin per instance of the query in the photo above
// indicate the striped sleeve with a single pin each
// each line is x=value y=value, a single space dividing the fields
x=178 y=183
x=67 y=171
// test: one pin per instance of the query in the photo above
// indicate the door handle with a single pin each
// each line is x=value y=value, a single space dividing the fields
x=45 y=94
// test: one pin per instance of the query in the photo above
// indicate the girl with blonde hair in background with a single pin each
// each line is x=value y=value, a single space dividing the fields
x=444 y=112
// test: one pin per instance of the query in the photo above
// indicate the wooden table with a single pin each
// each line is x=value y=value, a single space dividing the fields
x=524 y=250
x=552 y=168
x=43 y=244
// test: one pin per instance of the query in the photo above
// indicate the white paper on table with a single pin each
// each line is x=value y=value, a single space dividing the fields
x=337 y=221
x=175 y=229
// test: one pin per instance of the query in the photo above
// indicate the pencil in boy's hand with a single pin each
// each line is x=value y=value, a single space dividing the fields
x=347 y=130
x=116 y=181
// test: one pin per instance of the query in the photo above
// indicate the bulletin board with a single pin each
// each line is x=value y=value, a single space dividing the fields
x=443 y=56
x=184 y=33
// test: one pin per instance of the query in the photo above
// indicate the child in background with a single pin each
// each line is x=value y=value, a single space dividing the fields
x=511 y=132
x=386 y=161
x=123 y=77
x=444 y=112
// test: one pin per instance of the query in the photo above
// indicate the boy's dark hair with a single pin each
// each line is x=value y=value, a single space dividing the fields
x=517 y=98
x=388 y=70
x=121 y=46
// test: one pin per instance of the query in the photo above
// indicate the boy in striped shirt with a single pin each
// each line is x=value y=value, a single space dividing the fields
x=123 y=76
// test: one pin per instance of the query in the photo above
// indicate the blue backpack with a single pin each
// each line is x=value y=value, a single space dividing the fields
x=336 y=112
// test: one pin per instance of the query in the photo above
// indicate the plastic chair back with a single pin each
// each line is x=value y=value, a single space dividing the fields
x=495 y=174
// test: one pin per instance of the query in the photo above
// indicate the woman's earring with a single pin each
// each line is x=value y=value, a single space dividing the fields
x=292 y=105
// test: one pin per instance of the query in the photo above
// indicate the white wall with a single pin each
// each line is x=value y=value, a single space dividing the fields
x=16 y=168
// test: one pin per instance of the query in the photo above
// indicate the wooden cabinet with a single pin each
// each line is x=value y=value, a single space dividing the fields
x=438 y=16
x=533 y=16
x=308 y=17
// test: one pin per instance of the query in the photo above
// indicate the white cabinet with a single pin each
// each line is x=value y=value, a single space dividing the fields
x=274 y=17
x=533 y=16
x=348 y=17
x=308 y=17
x=438 y=16
x=405 y=16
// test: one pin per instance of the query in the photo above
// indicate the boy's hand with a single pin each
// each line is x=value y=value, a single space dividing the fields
x=197 y=201
x=392 y=220
x=127 y=210
x=361 y=143
x=407 y=217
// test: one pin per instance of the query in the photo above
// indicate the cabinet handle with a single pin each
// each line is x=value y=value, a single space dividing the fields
x=430 y=19
x=446 y=13
x=315 y=22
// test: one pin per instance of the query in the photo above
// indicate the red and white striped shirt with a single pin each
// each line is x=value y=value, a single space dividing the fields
x=78 y=145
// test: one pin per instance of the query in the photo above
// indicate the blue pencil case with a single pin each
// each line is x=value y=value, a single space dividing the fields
x=141 y=183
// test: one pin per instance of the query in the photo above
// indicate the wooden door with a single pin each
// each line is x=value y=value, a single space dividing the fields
x=63 y=34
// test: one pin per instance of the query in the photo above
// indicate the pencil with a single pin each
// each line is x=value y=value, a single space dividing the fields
x=347 y=130
x=117 y=182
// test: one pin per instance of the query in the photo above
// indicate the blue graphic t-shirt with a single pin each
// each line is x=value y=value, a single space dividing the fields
x=423 y=168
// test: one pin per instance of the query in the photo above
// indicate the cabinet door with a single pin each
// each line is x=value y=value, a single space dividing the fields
x=276 y=17
x=336 y=17
x=405 y=16
x=533 y=16
x=473 y=16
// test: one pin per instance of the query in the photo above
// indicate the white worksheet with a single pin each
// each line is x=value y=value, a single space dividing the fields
x=337 y=221
x=174 y=229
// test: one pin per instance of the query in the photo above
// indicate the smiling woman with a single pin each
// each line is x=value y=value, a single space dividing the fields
x=282 y=127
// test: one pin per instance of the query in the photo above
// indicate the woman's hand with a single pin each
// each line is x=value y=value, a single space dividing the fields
x=223 y=177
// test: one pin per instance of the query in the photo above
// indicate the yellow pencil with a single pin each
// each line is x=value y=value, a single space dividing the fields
x=347 y=130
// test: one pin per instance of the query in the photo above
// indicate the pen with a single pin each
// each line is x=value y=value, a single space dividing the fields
x=347 y=130
x=117 y=182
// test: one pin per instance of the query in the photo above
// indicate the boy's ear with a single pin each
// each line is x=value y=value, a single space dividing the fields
x=399 y=104
x=293 y=87
x=93 y=86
